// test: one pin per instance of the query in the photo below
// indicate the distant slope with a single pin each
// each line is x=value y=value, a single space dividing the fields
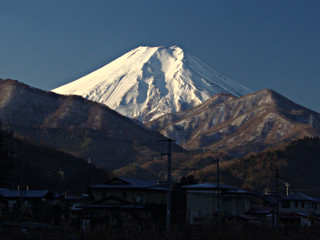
x=148 y=82
x=239 y=125
x=77 y=126
x=298 y=163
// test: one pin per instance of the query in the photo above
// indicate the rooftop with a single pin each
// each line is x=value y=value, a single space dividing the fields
x=129 y=183
x=298 y=196
x=6 y=193
x=207 y=185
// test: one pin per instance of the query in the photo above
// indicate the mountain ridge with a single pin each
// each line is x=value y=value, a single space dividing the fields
x=73 y=124
x=263 y=119
x=224 y=125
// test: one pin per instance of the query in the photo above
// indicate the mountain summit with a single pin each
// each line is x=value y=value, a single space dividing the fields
x=148 y=82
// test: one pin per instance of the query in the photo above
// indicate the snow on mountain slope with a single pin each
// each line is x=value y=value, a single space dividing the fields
x=148 y=82
x=239 y=125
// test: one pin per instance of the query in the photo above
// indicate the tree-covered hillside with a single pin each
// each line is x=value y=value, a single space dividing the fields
x=298 y=163
x=40 y=167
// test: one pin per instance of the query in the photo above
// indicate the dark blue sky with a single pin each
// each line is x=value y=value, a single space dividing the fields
x=261 y=44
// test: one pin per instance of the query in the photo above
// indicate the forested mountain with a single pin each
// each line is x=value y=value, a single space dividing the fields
x=223 y=127
x=298 y=163
x=75 y=125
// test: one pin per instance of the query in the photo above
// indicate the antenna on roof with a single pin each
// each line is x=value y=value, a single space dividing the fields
x=287 y=187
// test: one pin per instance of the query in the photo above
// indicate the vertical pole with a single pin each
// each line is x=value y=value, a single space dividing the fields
x=21 y=183
x=168 y=214
x=277 y=197
x=169 y=186
x=218 y=190
x=61 y=178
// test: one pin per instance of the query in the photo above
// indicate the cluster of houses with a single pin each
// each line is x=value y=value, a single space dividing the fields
x=122 y=201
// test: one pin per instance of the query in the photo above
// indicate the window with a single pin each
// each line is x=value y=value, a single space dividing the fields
x=295 y=204
x=124 y=195
x=285 y=204
x=302 y=204
x=139 y=198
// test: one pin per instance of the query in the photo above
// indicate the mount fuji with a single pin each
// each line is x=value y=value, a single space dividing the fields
x=148 y=82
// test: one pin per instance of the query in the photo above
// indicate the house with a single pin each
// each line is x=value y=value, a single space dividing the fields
x=27 y=196
x=134 y=191
x=202 y=202
x=39 y=205
x=300 y=207
x=296 y=209
x=75 y=201
x=298 y=202
x=258 y=214
x=124 y=200
x=294 y=219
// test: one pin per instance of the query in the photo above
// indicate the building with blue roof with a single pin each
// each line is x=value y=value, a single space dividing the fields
x=299 y=203
x=130 y=190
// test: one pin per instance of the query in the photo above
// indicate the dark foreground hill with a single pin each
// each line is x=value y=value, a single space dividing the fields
x=40 y=167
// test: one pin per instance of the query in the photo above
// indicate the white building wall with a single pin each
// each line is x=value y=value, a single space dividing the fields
x=200 y=207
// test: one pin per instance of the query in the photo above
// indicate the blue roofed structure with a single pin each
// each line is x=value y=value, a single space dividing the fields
x=128 y=183
x=207 y=185
x=137 y=191
x=12 y=194
x=298 y=196
x=299 y=203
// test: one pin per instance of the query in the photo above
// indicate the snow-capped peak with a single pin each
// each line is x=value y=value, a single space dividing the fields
x=148 y=82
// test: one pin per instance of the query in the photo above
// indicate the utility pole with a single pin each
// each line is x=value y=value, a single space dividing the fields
x=61 y=178
x=21 y=182
x=218 y=190
x=168 y=222
x=277 y=197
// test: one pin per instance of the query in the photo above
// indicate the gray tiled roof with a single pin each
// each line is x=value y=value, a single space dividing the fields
x=26 y=194
x=102 y=205
x=130 y=183
x=298 y=196
x=207 y=185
